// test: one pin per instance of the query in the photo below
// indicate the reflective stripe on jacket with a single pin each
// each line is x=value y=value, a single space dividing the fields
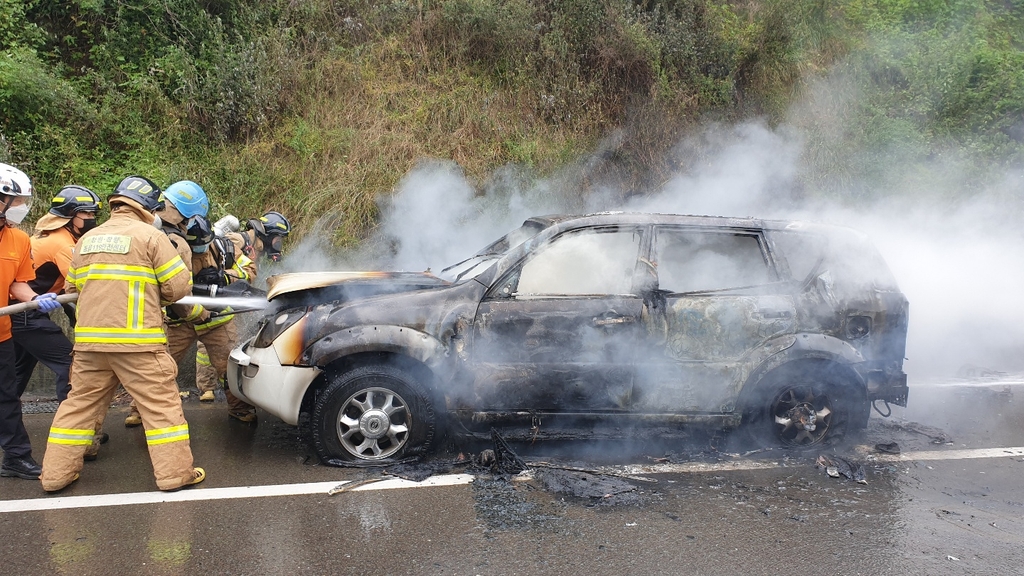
x=126 y=271
x=242 y=269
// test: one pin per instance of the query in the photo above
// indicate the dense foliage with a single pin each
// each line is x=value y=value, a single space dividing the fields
x=317 y=106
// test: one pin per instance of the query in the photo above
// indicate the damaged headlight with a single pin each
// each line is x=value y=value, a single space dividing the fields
x=274 y=327
x=857 y=327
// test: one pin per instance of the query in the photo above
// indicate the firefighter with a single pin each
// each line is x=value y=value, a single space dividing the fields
x=15 y=272
x=265 y=237
x=220 y=263
x=124 y=270
x=185 y=206
x=214 y=262
x=36 y=337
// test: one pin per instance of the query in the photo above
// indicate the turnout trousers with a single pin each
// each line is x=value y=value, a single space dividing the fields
x=206 y=374
x=218 y=342
x=149 y=376
x=37 y=338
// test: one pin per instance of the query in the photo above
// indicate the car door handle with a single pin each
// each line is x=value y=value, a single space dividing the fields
x=608 y=320
x=771 y=314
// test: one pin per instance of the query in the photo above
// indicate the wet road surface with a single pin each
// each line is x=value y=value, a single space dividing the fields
x=951 y=502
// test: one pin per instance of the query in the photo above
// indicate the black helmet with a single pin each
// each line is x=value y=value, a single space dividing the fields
x=141 y=190
x=198 y=231
x=74 y=199
x=271 y=224
x=271 y=228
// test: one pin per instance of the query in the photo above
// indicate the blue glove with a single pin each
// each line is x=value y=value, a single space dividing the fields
x=47 y=302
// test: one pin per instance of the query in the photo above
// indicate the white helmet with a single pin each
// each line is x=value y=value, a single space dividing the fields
x=14 y=182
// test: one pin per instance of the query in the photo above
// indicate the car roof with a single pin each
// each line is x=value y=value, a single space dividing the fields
x=609 y=218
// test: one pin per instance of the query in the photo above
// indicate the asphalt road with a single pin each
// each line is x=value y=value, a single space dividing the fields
x=951 y=502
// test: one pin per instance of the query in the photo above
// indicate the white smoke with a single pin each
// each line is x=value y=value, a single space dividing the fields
x=957 y=254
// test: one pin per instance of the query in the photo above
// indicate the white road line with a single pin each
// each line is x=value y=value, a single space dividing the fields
x=199 y=494
x=951 y=454
x=743 y=464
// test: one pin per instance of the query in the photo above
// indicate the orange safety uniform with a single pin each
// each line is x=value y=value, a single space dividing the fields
x=37 y=338
x=15 y=266
x=52 y=250
x=125 y=271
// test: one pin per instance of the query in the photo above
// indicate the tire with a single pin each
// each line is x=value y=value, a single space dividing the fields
x=370 y=414
x=803 y=407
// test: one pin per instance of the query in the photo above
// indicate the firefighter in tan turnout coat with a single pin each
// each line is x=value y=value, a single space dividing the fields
x=125 y=270
x=265 y=237
x=212 y=261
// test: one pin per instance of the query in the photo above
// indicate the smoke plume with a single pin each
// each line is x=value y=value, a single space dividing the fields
x=956 y=251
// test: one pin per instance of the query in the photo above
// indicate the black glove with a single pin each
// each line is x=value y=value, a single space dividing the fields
x=211 y=275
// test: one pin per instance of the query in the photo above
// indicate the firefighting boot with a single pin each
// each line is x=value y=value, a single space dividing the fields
x=248 y=416
x=207 y=396
x=133 y=419
x=198 y=475
x=70 y=482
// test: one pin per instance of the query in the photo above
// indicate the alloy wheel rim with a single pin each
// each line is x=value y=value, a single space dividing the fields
x=374 y=423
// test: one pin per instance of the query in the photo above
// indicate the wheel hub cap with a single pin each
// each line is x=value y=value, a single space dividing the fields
x=804 y=416
x=374 y=424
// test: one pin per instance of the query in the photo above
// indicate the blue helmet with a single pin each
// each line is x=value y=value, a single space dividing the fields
x=188 y=198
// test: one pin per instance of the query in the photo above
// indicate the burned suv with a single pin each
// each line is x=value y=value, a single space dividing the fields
x=788 y=330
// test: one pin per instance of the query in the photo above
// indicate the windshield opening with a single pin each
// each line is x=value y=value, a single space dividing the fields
x=475 y=265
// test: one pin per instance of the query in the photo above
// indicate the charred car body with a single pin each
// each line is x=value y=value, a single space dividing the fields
x=791 y=330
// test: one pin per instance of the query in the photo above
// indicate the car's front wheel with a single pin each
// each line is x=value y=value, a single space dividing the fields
x=372 y=413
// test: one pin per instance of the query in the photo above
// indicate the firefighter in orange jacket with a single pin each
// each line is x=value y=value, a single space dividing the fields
x=36 y=337
x=125 y=271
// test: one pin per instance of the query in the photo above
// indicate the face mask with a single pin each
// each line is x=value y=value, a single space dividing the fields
x=200 y=249
x=157 y=222
x=86 y=226
x=16 y=214
x=273 y=248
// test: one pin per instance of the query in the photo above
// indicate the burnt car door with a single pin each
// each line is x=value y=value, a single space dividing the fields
x=717 y=300
x=559 y=331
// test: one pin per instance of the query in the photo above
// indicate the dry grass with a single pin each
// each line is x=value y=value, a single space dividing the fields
x=371 y=118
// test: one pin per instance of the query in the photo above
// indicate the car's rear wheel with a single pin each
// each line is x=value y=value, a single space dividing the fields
x=802 y=408
x=373 y=413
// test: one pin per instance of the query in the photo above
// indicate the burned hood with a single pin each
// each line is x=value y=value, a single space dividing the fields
x=347 y=285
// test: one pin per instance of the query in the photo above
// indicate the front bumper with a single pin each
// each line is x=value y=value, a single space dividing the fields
x=257 y=376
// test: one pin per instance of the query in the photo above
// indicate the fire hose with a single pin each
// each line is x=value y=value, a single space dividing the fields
x=209 y=302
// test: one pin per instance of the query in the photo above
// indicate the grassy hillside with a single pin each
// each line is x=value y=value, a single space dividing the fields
x=316 y=107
